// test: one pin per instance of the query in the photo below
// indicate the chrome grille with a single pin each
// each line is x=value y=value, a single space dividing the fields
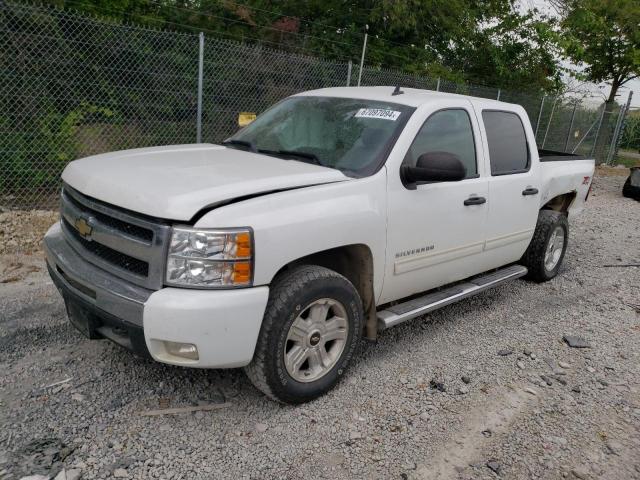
x=136 y=231
x=133 y=265
x=128 y=245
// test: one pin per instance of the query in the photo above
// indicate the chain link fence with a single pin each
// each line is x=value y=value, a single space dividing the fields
x=75 y=85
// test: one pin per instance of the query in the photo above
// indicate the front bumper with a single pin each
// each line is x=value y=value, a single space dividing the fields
x=222 y=324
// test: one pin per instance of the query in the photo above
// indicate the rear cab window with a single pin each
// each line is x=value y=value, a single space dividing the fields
x=507 y=141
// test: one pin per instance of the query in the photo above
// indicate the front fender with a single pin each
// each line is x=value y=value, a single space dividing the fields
x=293 y=224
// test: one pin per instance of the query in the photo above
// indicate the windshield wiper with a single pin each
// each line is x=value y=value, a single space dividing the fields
x=294 y=153
x=250 y=145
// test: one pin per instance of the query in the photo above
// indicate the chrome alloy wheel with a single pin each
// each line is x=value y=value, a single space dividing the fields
x=554 y=249
x=316 y=340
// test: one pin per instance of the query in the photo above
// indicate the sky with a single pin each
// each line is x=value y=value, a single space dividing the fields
x=634 y=85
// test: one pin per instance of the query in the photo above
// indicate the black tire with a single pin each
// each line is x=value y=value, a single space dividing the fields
x=290 y=293
x=630 y=191
x=534 y=257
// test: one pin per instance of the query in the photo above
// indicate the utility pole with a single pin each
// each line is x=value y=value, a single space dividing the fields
x=539 y=116
x=546 y=132
x=597 y=135
x=364 y=49
x=200 y=83
x=570 y=131
x=618 y=130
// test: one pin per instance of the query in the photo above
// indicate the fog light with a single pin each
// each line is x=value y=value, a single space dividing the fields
x=184 y=350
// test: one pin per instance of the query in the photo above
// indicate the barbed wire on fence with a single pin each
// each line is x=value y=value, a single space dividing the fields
x=76 y=85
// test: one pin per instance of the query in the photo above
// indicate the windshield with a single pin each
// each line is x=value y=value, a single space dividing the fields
x=351 y=135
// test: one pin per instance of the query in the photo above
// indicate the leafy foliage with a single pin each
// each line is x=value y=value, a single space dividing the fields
x=604 y=35
x=631 y=136
x=486 y=42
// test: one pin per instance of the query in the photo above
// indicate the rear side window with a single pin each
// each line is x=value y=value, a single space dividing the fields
x=446 y=131
x=507 y=141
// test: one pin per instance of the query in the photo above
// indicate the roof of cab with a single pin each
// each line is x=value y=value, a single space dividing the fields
x=413 y=97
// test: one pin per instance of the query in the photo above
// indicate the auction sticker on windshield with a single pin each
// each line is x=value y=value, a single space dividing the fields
x=377 y=113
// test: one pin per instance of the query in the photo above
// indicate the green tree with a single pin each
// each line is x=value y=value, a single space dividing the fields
x=481 y=41
x=604 y=35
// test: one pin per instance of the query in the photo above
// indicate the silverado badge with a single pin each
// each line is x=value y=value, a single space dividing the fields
x=84 y=229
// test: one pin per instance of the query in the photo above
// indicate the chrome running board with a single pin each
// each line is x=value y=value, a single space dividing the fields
x=432 y=301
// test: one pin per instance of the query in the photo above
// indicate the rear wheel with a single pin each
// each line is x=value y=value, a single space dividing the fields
x=548 y=246
x=311 y=327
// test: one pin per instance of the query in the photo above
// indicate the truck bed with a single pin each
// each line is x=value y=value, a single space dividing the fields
x=553 y=156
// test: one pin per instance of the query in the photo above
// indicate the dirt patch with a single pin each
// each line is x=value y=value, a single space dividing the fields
x=607 y=171
x=22 y=231
x=17 y=268
x=480 y=427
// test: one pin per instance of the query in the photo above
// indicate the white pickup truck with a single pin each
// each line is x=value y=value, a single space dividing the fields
x=336 y=214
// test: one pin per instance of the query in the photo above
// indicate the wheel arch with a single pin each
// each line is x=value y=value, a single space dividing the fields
x=561 y=203
x=354 y=262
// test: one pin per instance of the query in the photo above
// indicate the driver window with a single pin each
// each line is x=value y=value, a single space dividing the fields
x=446 y=131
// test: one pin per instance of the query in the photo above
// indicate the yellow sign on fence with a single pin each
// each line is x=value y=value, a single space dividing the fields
x=245 y=118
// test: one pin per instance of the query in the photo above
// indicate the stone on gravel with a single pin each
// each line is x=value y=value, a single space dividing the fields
x=120 y=473
x=261 y=427
x=558 y=379
x=564 y=365
x=613 y=447
x=504 y=352
x=494 y=466
x=72 y=474
x=530 y=390
x=576 y=342
x=437 y=385
x=580 y=473
x=466 y=379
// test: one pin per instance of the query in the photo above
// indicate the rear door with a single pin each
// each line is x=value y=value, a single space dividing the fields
x=513 y=184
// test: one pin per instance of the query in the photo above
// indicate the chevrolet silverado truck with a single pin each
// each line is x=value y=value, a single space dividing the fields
x=334 y=215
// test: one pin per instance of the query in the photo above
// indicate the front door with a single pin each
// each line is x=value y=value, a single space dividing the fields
x=436 y=232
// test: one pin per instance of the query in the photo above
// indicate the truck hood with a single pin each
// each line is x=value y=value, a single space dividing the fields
x=176 y=182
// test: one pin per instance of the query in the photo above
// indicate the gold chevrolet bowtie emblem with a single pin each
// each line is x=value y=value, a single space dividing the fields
x=84 y=229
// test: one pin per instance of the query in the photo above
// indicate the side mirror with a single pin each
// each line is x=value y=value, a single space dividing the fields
x=434 y=167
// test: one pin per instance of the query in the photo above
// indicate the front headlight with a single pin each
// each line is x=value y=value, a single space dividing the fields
x=210 y=258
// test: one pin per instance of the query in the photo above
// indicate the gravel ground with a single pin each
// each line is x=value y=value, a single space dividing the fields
x=518 y=402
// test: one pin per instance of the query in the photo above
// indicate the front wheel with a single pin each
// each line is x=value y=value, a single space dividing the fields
x=311 y=327
x=548 y=246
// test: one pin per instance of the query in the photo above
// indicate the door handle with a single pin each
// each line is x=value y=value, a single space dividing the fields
x=530 y=191
x=475 y=201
